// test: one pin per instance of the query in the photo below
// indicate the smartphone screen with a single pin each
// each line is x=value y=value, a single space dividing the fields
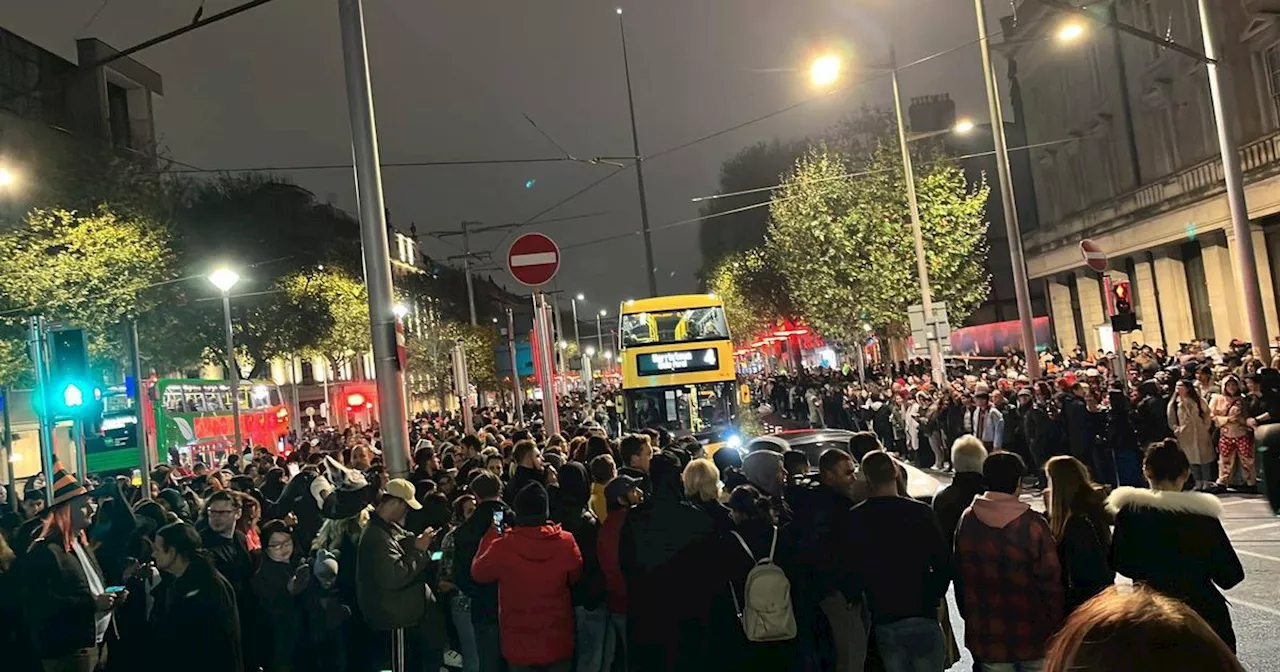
x=113 y=589
x=294 y=469
x=497 y=520
x=435 y=557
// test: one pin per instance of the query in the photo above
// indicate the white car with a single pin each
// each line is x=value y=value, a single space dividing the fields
x=814 y=442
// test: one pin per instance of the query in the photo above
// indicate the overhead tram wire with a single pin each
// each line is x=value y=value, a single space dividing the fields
x=734 y=211
x=387 y=164
x=864 y=173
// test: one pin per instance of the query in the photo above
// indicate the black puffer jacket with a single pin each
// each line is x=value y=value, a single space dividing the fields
x=575 y=517
x=1175 y=543
x=466 y=539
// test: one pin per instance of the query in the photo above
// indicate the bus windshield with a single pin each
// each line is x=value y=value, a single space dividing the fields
x=675 y=326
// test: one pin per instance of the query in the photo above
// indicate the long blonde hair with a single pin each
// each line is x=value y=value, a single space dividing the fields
x=332 y=532
x=1072 y=492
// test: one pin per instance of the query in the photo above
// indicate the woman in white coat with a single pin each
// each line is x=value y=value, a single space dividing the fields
x=1190 y=420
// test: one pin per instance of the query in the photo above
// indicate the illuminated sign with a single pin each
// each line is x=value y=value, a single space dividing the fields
x=677 y=361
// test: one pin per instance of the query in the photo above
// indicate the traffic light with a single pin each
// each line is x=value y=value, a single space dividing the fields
x=1122 y=318
x=72 y=391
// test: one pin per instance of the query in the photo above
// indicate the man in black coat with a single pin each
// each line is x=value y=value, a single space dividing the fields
x=1079 y=424
x=575 y=517
x=529 y=469
x=484 y=597
x=229 y=550
x=665 y=551
x=195 y=624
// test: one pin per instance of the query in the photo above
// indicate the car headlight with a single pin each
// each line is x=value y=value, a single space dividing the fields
x=733 y=441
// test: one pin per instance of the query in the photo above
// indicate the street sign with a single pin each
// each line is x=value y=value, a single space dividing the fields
x=938 y=328
x=1094 y=257
x=533 y=259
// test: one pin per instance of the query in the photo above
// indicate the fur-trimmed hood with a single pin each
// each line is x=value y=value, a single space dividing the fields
x=1195 y=503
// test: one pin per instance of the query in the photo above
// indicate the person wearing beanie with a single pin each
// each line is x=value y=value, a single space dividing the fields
x=534 y=562
x=575 y=516
x=764 y=469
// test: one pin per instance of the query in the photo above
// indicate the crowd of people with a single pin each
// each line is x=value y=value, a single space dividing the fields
x=509 y=548
x=1210 y=400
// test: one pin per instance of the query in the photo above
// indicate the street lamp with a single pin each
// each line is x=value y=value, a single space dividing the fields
x=224 y=279
x=600 y=330
x=573 y=303
x=825 y=70
x=400 y=310
x=8 y=178
x=1070 y=31
x=963 y=127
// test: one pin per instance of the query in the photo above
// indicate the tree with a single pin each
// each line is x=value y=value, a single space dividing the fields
x=844 y=242
x=346 y=299
x=430 y=357
x=90 y=271
x=753 y=290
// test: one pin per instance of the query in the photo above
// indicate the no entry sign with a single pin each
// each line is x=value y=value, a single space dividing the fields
x=533 y=259
x=1093 y=255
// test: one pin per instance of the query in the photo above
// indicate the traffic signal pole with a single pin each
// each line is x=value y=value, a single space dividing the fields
x=36 y=343
x=134 y=362
x=6 y=397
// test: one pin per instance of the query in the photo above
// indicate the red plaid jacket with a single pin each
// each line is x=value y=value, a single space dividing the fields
x=1009 y=588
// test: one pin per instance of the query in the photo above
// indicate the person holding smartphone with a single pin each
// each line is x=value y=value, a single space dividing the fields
x=490 y=512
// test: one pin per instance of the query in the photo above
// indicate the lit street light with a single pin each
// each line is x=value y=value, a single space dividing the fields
x=224 y=279
x=573 y=303
x=1070 y=32
x=400 y=310
x=963 y=126
x=825 y=70
x=600 y=330
x=8 y=178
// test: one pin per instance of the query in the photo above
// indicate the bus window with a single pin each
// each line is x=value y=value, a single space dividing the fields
x=676 y=326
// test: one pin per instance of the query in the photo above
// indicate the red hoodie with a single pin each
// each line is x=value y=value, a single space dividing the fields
x=534 y=568
x=607 y=548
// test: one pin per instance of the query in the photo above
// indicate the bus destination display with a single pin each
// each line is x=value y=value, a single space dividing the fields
x=677 y=361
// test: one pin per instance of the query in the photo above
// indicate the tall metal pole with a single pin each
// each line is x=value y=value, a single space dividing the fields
x=1012 y=230
x=7 y=441
x=577 y=339
x=42 y=395
x=373 y=239
x=542 y=325
x=295 y=416
x=134 y=361
x=515 y=367
x=233 y=372
x=466 y=267
x=599 y=334
x=650 y=272
x=328 y=371
x=562 y=364
x=917 y=232
x=462 y=386
x=1224 y=112
x=82 y=460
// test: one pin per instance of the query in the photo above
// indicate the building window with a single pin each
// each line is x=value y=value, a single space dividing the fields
x=118 y=115
x=1271 y=62
x=1197 y=291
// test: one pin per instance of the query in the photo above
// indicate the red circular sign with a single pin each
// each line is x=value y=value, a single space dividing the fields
x=1093 y=255
x=533 y=259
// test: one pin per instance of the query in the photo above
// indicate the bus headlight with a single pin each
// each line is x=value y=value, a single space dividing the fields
x=733 y=441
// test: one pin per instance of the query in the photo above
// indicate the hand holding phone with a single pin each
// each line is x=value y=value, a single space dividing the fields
x=497 y=521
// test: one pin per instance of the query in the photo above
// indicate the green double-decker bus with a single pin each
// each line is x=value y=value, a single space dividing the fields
x=186 y=418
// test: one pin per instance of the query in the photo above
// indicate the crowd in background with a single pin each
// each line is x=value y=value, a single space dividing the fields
x=508 y=548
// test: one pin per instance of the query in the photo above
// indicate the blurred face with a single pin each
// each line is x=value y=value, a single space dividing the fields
x=81 y=513
x=163 y=555
x=468 y=508
x=1181 y=389
x=841 y=477
x=1254 y=386
x=982 y=403
x=280 y=547
x=641 y=461
x=223 y=516
x=1231 y=387
x=33 y=506
x=494 y=465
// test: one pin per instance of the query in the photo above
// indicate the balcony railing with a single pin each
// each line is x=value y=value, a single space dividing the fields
x=1259 y=159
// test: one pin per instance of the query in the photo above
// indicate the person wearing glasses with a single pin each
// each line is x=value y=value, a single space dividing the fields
x=229 y=551
x=278 y=583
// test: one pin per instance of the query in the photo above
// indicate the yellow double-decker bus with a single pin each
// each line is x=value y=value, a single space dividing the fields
x=678 y=370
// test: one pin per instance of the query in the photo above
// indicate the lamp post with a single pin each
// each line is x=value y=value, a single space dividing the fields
x=825 y=71
x=600 y=330
x=224 y=279
x=650 y=273
x=573 y=304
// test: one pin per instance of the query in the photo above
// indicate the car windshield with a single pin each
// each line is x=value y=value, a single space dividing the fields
x=675 y=326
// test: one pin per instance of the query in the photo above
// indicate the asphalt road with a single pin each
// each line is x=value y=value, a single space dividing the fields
x=1255 y=603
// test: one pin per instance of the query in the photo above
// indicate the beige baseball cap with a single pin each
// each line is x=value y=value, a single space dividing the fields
x=402 y=489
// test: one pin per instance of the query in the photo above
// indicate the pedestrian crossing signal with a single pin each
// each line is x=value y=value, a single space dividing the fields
x=1122 y=317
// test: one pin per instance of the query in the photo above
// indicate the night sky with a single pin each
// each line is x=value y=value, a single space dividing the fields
x=453 y=78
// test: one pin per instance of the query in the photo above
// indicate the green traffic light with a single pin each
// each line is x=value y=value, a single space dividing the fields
x=72 y=397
